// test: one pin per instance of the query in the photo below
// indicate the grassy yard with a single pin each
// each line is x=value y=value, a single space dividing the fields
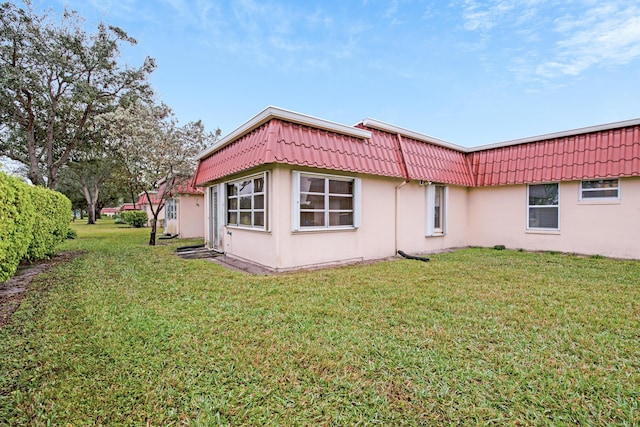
x=128 y=334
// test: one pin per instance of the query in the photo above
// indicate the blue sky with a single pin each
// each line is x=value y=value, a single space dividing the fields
x=466 y=71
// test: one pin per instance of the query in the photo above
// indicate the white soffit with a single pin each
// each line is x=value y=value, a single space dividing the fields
x=288 y=116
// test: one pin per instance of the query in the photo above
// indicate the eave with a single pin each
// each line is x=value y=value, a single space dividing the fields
x=272 y=112
x=377 y=124
x=554 y=135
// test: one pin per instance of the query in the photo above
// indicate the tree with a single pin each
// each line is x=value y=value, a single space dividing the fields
x=154 y=150
x=54 y=80
x=86 y=173
x=115 y=190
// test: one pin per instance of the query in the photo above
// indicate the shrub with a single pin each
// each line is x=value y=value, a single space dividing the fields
x=71 y=234
x=17 y=217
x=135 y=219
x=51 y=224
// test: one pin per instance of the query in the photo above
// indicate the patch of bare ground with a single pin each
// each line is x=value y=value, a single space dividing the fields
x=13 y=291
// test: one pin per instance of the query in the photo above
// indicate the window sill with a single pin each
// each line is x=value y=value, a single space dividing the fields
x=245 y=228
x=436 y=235
x=542 y=231
x=323 y=230
x=600 y=202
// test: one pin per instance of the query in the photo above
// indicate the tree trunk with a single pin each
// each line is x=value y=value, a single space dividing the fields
x=152 y=236
x=91 y=199
x=91 y=212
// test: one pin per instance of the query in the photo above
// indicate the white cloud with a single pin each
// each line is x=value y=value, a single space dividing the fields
x=602 y=36
x=483 y=16
x=587 y=34
x=122 y=9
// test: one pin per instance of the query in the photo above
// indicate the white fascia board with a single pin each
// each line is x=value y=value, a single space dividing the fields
x=376 y=124
x=572 y=132
x=285 y=115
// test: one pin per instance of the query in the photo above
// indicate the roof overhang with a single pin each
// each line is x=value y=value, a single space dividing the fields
x=562 y=134
x=377 y=124
x=270 y=113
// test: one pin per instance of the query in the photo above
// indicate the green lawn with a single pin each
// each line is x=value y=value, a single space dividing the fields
x=128 y=334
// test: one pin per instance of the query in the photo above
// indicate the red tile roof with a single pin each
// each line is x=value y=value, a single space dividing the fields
x=598 y=154
x=244 y=153
x=427 y=161
x=128 y=207
x=305 y=146
x=279 y=141
x=377 y=148
x=142 y=199
x=185 y=186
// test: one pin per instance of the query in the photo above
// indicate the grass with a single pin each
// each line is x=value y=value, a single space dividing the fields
x=128 y=334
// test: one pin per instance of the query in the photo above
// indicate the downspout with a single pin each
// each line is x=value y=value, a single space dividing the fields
x=407 y=179
x=397 y=214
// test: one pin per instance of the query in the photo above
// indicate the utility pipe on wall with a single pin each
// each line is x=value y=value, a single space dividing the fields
x=407 y=179
x=397 y=215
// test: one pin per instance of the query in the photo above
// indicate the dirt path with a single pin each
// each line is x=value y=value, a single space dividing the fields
x=12 y=292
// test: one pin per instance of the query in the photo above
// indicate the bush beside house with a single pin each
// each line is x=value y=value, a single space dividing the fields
x=32 y=221
x=135 y=219
x=17 y=216
x=51 y=222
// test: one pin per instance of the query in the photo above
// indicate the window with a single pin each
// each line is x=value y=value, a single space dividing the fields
x=600 y=189
x=543 y=206
x=171 y=210
x=436 y=209
x=325 y=201
x=246 y=202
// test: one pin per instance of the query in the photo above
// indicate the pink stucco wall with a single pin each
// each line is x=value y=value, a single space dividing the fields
x=498 y=215
x=394 y=217
x=190 y=217
x=384 y=228
x=160 y=224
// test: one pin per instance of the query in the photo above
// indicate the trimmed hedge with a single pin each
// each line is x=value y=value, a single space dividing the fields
x=17 y=216
x=135 y=219
x=52 y=222
x=33 y=220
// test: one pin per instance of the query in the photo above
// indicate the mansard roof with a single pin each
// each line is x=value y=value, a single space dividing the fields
x=377 y=148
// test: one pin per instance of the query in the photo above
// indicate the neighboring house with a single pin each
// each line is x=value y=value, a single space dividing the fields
x=128 y=207
x=184 y=210
x=109 y=212
x=286 y=190
x=144 y=205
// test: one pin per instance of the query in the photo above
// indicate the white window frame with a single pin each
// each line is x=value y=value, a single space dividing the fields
x=295 y=198
x=556 y=206
x=431 y=229
x=253 y=210
x=171 y=209
x=584 y=191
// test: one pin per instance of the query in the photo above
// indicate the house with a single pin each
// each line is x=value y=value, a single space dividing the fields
x=184 y=210
x=108 y=212
x=152 y=202
x=286 y=191
x=128 y=207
